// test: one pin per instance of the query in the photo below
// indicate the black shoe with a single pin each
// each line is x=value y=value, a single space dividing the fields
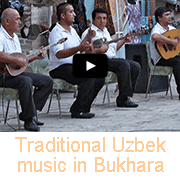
x=126 y=103
x=82 y=115
x=33 y=119
x=39 y=123
x=31 y=126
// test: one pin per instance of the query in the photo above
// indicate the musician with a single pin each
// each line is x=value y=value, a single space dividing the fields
x=9 y=43
x=127 y=71
x=61 y=57
x=163 y=19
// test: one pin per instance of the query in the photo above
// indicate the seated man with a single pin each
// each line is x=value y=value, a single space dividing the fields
x=163 y=19
x=24 y=82
x=127 y=71
x=61 y=59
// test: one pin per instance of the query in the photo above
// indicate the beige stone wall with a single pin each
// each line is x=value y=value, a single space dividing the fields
x=40 y=16
x=26 y=19
x=34 y=15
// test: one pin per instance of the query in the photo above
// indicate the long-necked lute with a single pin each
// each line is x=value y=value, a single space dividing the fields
x=99 y=42
x=11 y=69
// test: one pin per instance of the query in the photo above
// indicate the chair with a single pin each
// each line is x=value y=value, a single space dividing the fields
x=106 y=92
x=56 y=87
x=59 y=84
x=110 y=78
x=41 y=66
x=9 y=94
x=158 y=71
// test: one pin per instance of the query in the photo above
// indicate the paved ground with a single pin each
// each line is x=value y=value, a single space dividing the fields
x=159 y=113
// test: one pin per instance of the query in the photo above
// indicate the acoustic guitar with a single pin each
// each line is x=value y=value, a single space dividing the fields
x=11 y=69
x=168 y=51
x=99 y=42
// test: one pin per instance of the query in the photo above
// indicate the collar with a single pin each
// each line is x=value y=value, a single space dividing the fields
x=162 y=27
x=97 y=29
x=6 y=33
x=61 y=28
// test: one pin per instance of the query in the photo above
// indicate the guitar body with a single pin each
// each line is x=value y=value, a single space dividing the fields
x=3 y=69
x=167 y=51
x=11 y=69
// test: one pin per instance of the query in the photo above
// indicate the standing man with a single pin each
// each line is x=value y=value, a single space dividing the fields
x=163 y=19
x=127 y=71
x=9 y=43
x=61 y=59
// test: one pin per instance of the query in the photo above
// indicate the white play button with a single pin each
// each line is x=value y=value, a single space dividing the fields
x=89 y=66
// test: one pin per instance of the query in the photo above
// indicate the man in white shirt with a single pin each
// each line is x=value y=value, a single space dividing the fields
x=61 y=61
x=30 y=102
x=163 y=19
x=127 y=71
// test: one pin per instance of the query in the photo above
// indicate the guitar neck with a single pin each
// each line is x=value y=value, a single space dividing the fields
x=131 y=34
x=45 y=48
x=115 y=40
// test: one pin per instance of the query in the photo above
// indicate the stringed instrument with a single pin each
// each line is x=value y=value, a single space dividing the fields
x=89 y=38
x=99 y=42
x=11 y=69
x=168 y=51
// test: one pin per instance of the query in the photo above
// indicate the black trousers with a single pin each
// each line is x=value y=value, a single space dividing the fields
x=175 y=64
x=88 y=88
x=30 y=100
x=127 y=72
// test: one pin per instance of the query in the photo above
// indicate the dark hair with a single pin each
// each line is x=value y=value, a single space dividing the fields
x=159 y=12
x=98 y=10
x=61 y=8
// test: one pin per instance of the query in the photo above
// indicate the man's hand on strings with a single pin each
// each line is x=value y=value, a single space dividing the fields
x=42 y=55
x=128 y=37
x=84 y=46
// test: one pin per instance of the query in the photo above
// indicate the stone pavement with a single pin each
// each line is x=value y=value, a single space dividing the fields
x=157 y=113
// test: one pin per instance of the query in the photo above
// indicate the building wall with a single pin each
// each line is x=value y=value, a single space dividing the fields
x=40 y=16
x=36 y=16
x=26 y=44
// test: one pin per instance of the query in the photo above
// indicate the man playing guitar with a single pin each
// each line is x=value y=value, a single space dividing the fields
x=127 y=71
x=163 y=19
x=30 y=102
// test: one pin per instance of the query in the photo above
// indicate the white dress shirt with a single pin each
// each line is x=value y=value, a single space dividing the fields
x=112 y=50
x=58 y=32
x=159 y=30
x=9 y=44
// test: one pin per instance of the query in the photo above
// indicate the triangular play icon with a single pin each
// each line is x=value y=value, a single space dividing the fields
x=89 y=66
